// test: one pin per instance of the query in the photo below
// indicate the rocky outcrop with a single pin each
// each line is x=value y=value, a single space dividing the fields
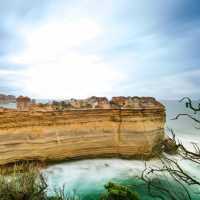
x=23 y=103
x=81 y=133
x=92 y=102
x=5 y=99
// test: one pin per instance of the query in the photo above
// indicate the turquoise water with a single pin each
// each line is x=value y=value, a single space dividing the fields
x=86 y=178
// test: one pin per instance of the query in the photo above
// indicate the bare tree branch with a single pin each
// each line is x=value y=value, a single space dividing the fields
x=188 y=115
x=189 y=104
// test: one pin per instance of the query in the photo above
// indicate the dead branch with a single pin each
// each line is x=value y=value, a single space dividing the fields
x=188 y=115
x=189 y=104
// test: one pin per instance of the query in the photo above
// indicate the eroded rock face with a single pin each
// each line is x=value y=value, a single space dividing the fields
x=81 y=133
x=23 y=103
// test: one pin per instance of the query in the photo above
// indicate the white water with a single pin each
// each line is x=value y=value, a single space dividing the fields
x=86 y=175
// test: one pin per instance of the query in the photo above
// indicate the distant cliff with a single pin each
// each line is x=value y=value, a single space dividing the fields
x=4 y=99
x=81 y=133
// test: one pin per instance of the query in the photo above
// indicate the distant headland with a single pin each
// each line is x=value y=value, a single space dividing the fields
x=4 y=99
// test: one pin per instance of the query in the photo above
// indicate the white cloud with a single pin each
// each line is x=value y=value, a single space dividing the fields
x=57 y=66
x=51 y=41
x=105 y=48
x=5 y=72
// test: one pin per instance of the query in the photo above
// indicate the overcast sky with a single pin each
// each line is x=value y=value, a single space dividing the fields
x=79 y=48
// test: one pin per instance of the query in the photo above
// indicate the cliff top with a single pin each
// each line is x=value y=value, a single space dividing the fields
x=118 y=102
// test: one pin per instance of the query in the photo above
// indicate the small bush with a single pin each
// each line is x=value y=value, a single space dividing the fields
x=27 y=185
x=118 y=192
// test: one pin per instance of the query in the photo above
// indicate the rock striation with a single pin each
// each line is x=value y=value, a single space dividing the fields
x=126 y=128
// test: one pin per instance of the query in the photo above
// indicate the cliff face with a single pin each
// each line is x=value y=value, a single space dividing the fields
x=58 y=135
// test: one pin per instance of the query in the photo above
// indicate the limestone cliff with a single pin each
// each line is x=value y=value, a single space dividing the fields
x=80 y=133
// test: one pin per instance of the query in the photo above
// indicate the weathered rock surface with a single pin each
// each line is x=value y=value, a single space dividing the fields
x=58 y=135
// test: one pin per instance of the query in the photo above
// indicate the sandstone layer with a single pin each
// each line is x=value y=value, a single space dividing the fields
x=83 y=133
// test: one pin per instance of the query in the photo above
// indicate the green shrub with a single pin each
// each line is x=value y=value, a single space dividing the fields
x=28 y=185
x=118 y=192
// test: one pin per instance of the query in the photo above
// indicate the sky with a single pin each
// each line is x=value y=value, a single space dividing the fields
x=79 y=48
